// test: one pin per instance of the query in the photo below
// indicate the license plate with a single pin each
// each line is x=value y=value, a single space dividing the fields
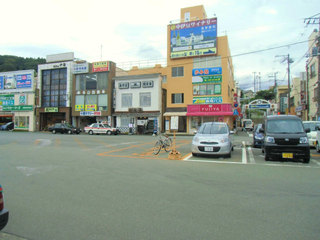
x=208 y=149
x=287 y=155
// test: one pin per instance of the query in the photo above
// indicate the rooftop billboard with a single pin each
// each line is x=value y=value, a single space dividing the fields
x=196 y=38
x=17 y=81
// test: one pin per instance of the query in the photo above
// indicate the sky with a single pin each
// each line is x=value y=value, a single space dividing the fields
x=132 y=32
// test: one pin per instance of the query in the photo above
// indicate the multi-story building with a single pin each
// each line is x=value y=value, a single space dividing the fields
x=313 y=86
x=138 y=103
x=198 y=81
x=55 y=89
x=92 y=92
x=17 y=99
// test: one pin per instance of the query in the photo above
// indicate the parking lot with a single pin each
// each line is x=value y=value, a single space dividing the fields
x=60 y=186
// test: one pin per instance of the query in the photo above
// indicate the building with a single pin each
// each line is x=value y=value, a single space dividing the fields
x=17 y=99
x=313 y=80
x=138 y=103
x=92 y=92
x=198 y=82
x=55 y=79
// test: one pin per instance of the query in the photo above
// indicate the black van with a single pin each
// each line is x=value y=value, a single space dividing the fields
x=285 y=138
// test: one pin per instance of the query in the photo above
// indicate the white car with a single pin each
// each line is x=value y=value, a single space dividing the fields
x=312 y=135
x=99 y=128
x=213 y=138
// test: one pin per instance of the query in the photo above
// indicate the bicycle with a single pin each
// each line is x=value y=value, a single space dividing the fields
x=162 y=143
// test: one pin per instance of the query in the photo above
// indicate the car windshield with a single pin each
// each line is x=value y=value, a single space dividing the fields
x=68 y=125
x=284 y=126
x=311 y=125
x=213 y=129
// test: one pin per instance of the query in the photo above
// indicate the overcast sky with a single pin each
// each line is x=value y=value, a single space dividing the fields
x=127 y=31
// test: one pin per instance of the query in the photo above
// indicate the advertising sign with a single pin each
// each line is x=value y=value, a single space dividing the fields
x=80 y=68
x=92 y=107
x=51 y=109
x=7 y=100
x=95 y=113
x=196 y=38
x=206 y=71
x=18 y=108
x=16 y=81
x=102 y=66
x=174 y=123
x=206 y=100
x=79 y=108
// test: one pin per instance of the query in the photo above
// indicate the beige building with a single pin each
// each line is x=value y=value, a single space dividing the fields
x=313 y=77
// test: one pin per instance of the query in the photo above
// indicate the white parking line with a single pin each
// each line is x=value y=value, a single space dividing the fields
x=316 y=162
x=244 y=153
x=251 y=157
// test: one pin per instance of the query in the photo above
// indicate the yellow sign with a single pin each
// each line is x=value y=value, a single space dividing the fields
x=102 y=66
x=92 y=107
x=79 y=108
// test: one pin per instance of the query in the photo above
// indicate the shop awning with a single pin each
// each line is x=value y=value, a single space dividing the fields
x=210 y=114
x=169 y=114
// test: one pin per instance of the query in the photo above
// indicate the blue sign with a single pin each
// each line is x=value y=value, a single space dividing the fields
x=1 y=82
x=24 y=81
x=206 y=71
x=235 y=112
x=259 y=106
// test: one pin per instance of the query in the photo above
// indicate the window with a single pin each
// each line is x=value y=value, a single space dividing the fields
x=205 y=62
x=126 y=100
x=177 y=72
x=124 y=121
x=145 y=99
x=177 y=98
x=103 y=102
x=313 y=71
x=92 y=81
x=207 y=89
x=79 y=99
x=54 y=88
x=91 y=100
x=21 y=122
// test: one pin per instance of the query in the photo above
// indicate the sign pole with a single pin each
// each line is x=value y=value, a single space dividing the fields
x=174 y=154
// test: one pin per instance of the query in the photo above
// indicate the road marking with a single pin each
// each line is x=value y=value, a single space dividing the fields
x=251 y=157
x=316 y=162
x=210 y=161
x=244 y=153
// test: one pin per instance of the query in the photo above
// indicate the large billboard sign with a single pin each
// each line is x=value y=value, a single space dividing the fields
x=17 y=81
x=196 y=38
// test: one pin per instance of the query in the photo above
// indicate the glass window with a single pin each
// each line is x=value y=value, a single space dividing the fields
x=103 y=102
x=126 y=100
x=177 y=98
x=196 y=90
x=91 y=81
x=91 y=100
x=124 y=121
x=210 y=89
x=177 y=72
x=208 y=61
x=217 y=89
x=145 y=99
x=79 y=99
x=203 y=89
x=21 y=122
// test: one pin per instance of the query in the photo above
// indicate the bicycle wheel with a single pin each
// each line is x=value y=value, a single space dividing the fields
x=157 y=148
x=167 y=146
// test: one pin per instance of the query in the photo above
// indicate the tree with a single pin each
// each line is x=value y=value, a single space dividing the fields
x=13 y=63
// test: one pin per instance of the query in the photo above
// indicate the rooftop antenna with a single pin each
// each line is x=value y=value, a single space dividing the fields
x=101 y=52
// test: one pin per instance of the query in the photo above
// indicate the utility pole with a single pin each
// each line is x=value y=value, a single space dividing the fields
x=254 y=81
x=316 y=20
x=286 y=58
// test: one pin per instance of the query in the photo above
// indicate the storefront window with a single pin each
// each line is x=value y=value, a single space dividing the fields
x=103 y=102
x=195 y=122
x=124 y=121
x=21 y=122
x=91 y=100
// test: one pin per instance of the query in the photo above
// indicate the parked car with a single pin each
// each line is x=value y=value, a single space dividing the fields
x=64 y=128
x=317 y=143
x=285 y=138
x=99 y=128
x=258 y=137
x=4 y=213
x=213 y=138
x=8 y=126
x=312 y=135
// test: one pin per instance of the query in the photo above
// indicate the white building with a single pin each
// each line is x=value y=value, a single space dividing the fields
x=138 y=103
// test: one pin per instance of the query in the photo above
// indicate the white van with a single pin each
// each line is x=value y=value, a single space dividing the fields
x=247 y=124
x=312 y=135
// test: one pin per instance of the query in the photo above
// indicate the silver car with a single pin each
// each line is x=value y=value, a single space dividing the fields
x=212 y=138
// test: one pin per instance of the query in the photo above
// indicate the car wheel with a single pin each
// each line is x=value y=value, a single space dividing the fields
x=109 y=132
x=228 y=155
x=194 y=154
x=91 y=132
x=318 y=147
x=54 y=131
